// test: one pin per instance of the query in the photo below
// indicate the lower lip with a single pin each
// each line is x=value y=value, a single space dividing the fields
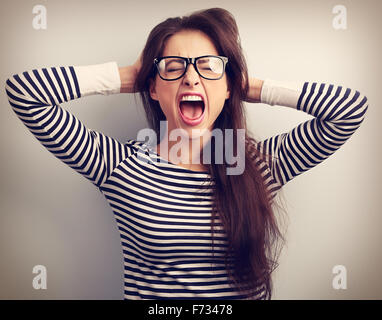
x=192 y=122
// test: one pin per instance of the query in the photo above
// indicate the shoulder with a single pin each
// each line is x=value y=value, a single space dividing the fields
x=135 y=144
x=135 y=147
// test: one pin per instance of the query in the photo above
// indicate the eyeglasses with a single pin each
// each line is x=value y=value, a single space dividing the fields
x=209 y=67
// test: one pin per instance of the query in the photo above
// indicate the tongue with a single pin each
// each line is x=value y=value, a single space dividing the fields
x=191 y=110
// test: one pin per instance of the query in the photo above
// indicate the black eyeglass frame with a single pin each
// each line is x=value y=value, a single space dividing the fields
x=193 y=62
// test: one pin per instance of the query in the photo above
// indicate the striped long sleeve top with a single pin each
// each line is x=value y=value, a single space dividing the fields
x=162 y=217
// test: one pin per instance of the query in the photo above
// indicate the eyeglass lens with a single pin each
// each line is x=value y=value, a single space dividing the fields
x=209 y=67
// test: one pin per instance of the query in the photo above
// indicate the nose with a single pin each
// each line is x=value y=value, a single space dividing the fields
x=191 y=77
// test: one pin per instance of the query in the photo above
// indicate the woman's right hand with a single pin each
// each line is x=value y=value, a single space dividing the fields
x=128 y=75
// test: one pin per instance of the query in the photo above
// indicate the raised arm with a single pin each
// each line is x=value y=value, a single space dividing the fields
x=337 y=111
x=35 y=97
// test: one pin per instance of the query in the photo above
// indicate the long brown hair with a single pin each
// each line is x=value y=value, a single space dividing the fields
x=246 y=214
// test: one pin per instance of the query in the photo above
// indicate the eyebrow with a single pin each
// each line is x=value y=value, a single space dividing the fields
x=203 y=55
x=175 y=59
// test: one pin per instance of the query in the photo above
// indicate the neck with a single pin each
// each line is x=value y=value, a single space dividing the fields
x=183 y=148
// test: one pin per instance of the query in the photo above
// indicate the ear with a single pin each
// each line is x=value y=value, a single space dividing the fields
x=153 y=93
x=227 y=95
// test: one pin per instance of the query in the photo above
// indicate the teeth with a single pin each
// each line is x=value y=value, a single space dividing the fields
x=191 y=98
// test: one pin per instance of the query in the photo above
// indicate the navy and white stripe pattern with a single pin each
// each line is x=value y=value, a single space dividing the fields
x=338 y=113
x=162 y=210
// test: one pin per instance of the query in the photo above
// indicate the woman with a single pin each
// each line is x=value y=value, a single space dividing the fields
x=189 y=229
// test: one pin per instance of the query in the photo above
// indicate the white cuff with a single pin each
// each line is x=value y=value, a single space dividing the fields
x=98 y=79
x=281 y=93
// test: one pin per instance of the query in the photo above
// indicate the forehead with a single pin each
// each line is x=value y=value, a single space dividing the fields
x=189 y=43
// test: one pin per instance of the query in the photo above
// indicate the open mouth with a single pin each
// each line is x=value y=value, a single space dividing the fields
x=192 y=109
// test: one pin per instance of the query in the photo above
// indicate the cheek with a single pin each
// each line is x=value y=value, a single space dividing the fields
x=219 y=108
x=217 y=99
x=166 y=98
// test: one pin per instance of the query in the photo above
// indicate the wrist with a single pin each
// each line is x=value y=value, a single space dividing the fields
x=254 y=90
x=98 y=78
x=284 y=93
x=127 y=76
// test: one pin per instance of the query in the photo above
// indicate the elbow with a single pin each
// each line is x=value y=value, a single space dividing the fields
x=7 y=86
x=9 y=89
x=356 y=110
x=363 y=107
x=16 y=98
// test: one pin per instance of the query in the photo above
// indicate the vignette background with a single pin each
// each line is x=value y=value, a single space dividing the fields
x=51 y=216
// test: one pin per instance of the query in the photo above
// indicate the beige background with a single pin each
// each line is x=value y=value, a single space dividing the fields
x=52 y=216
